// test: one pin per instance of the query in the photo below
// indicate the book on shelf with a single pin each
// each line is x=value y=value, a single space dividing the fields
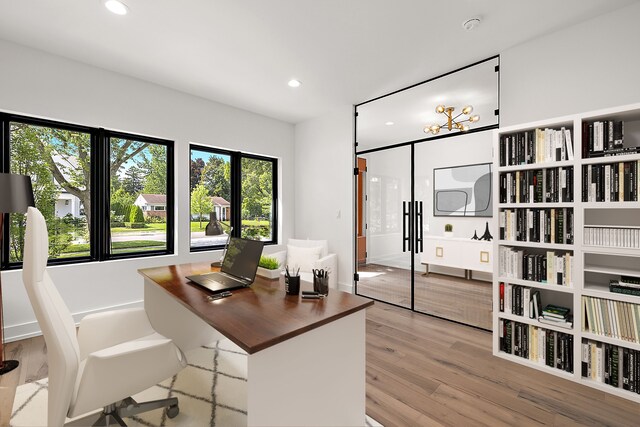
x=536 y=146
x=614 y=182
x=537 y=186
x=602 y=138
x=612 y=236
x=556 y=311
x=547 y=225
x=560 y=323
x=615 y=319
x=623 y=365
x=552 y=267
x=538 y=344
x=623 y=287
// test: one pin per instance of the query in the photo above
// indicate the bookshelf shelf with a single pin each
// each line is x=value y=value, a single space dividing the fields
x=616 y=205
x=611 y=270
x=550 y=246
x=534 y=322
x=541 y=205
x=610 y=250
x=610 y=389
x=610 y=340
x=543 y=165
x=602 y=291
x=537 y=285
x=536 y=365
x=611 y=159
x=593 y=266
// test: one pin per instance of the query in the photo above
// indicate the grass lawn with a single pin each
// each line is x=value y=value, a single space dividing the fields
x=149 y=227
x=117 y=247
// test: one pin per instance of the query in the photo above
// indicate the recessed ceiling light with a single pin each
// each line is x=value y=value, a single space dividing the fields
x=116 y=6
x=389 y=123
x=294 y=83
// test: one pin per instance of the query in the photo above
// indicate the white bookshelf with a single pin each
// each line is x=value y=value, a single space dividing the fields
x=593 y=265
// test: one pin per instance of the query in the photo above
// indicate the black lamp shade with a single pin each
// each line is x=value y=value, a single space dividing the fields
x=16 y=193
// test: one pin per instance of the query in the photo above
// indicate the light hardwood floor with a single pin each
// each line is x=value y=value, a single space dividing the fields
x=453 y=298
x=427 y=371
x=424 y=371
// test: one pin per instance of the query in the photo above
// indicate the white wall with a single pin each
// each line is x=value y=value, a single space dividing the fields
x=589 y=66
x=42 y=85
x=324 y=185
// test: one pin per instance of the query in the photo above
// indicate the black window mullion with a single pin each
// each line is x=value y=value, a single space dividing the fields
x=100 y=201
x=4 y=167
x=169 y=208
x=236 y=194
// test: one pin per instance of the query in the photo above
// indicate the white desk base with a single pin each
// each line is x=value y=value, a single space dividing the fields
x=314 y=379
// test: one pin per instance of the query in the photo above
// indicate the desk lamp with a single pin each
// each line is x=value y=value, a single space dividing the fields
x=16 y=195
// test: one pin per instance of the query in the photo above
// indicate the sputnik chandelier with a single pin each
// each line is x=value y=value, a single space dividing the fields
x=453 y=122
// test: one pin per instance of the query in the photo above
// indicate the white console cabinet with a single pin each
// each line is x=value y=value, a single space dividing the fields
x=469 y=255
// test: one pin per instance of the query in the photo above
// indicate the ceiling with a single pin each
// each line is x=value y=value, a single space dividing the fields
x=243 y=52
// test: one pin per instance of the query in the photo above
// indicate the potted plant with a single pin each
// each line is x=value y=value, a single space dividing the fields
x=268 y=267
x=448 y=230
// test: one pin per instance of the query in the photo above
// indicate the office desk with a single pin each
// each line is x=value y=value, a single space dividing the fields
x=306 y=359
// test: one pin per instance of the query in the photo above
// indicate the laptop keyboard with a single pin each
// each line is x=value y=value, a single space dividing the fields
x=227 y=281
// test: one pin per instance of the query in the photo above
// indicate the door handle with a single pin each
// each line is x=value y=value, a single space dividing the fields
x=406 y=220
x=418 y=226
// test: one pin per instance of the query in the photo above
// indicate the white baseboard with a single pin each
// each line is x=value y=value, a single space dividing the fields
x=32 y=329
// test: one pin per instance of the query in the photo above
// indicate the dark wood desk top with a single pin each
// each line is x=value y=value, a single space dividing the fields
x=258 y=317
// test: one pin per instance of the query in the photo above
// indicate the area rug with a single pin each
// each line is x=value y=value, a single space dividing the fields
x=212 y=391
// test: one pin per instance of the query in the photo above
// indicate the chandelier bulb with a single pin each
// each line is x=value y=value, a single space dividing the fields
x=440 y=109
x=467 y=110
x=474 y=118
x=464 y=128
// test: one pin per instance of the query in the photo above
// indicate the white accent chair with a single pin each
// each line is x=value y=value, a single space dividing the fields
x=115 y=355
x=309 y=255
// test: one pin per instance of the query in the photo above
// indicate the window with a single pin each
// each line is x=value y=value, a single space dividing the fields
x=58 y=159
x=232 y=193
x=257 y=198
x=76 y=173
x=138 y=176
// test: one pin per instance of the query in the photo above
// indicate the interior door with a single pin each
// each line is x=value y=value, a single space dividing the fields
x=386 y=274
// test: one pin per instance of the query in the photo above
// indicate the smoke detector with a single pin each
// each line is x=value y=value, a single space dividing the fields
x=470 y=24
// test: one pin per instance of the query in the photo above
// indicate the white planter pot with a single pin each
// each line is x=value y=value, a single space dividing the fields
x=269 y=274
x=448 y=234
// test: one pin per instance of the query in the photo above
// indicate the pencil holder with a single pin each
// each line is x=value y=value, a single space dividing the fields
x=292 y=285
x=321 y=285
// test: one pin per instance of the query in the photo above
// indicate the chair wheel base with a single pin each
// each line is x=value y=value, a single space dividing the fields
x=173 y=411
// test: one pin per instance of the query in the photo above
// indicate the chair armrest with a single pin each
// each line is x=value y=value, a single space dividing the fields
x=102 y=330
x=330 y=263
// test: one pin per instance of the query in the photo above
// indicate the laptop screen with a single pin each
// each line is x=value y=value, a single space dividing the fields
x=242 y=258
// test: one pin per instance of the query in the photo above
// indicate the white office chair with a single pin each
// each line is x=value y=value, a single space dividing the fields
x=115 y=355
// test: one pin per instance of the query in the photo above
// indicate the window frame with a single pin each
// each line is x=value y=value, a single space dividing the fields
x=99 y=234
x=106 y=222
x=236 y=193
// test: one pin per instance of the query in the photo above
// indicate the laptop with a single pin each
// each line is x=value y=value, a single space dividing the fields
x=238 y=269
